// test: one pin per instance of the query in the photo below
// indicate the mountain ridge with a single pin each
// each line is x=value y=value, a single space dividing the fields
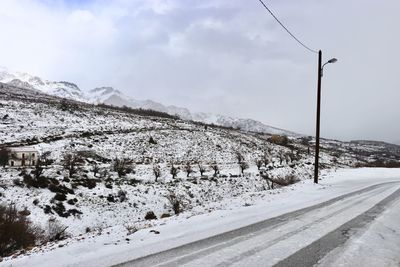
x=111 y=96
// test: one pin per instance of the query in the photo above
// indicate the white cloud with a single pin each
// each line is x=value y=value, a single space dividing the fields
x=79 y=16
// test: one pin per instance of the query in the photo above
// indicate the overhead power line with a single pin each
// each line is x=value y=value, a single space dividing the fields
x=286 y=29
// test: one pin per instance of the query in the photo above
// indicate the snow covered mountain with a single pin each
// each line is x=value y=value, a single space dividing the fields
x=25 y=80
x=111 y=96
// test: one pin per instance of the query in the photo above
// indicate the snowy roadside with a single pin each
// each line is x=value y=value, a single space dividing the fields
x=115 y=246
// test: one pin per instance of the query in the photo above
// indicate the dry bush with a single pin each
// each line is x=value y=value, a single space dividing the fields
x=174 y=171
x=150 y=216
x=202 y=169
x=16 y=230
x=56 y=231
x=281 y=181
x=72 y=163
x=157 y=171
x=188 y=169
x=379 y=164
x=214 y=166
x=282 y=140
x=176 y=202
x=259 y=163
x=123 y=166
x=243 y=166
x=131 y=229
x=286 y=180
x=4 y=156
x=239 y=156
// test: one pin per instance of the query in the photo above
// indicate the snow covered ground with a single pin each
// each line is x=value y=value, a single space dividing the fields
x=114 y=205
x=114 y=245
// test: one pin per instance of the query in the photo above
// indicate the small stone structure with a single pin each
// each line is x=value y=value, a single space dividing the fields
x=23 y=156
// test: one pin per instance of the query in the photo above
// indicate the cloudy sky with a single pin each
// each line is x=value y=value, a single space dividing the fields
x=222 y=56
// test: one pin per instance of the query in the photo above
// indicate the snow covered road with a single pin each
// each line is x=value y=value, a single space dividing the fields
x=349 y=219
x=299 y=238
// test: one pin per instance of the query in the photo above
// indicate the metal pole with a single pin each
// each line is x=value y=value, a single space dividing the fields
x=318 y=117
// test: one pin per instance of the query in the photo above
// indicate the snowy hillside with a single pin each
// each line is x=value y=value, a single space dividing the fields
x=111 y=96
x=164 y=161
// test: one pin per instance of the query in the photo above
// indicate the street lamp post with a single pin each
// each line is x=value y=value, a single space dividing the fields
x=320 y=74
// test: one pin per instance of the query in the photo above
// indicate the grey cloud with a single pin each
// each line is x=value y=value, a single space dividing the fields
x=223 y=56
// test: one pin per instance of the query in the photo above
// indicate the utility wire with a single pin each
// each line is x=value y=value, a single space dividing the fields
x=291 y=34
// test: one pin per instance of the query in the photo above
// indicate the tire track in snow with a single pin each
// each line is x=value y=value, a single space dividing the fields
x=202 y=248
x=313 y=253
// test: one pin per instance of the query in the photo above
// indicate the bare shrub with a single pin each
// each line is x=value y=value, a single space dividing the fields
x=122 y=195
x=173 y=171
x=282 y=140
x=379 y=163
x=150 y=216
x=16 y=231
x=123 y=166
x=55 y=231
x=202 y=169
x=95 y=169
x=175 y=202
x=157 y=171
x=131 y=229
x=259 y=163
x=214 y=166
x=286 y=180
x=281 y=181
x=188 y=169
x=38 y=171
x=72 y=163
x=4 y=156
x=266 y=161
x=243 y=166
x=239 y=156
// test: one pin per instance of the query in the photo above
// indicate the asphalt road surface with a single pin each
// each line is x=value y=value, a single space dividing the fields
x=299 y=238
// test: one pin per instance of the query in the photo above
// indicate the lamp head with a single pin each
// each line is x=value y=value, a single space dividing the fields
x=333 y=60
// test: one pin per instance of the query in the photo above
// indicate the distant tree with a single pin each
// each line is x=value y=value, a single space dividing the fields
x=175 y=201
x=266 y=161
x=239 y=156
x=214 y=166
x=188 y=169
x=173 y=171
x=157 y=171
x=72 y=163
x=38 y=171
x=202 y=169
x=123 y=166
x=4 y=156
x=243 y=166
x=95 y=169
x=259 y=163
x=45 y=158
